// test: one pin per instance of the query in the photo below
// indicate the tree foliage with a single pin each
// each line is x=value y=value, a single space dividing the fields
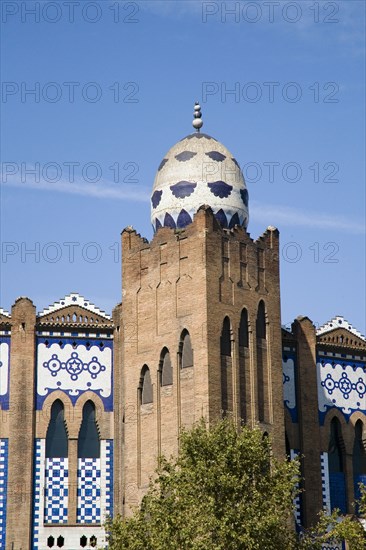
x=224 y=491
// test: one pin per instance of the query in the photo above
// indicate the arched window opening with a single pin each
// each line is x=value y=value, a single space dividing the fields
x=56 y=438
x=226 y=368
x=187 y=352
x=359 y=461
x=288 y=449
x=337 y=484
x=165 y=367
x=335 y=447
x=225 y=341
x=88 y=441
x=261 y=320
x=262 y=381
x=243 y=363
x=146 y=389
x=359 y=453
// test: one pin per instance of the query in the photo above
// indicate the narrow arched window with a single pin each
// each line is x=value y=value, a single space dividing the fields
x=88 y=442
x=146 y=389
x=165 y=367
x=187 y=352
x=244 y=371
x=225 y=342
x=262 y=374
x=56 y=438
x=359 y=453
x=56 y=467
x=359 y=460
x=226 y=368
x=243 y=330
x=261 y=320
x=337 y=483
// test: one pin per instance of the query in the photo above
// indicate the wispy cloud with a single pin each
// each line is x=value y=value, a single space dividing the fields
x=263 y=213
x=287 y=216
x=101 y=189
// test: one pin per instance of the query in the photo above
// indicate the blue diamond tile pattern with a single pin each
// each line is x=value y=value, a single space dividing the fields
x=3 y=488
x=56 y=490
x=89 y=481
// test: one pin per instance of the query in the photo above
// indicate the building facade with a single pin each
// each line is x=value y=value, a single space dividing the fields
x=88 y=401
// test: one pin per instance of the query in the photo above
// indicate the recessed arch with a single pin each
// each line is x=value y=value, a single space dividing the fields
x=56 y=437
x=165 y=368
x=336 y=466
x=145 y=386
x=226 y=367
x=244 y=367
x=262 y=366
x=88 y=440
x=186 y=350
x=261 y=320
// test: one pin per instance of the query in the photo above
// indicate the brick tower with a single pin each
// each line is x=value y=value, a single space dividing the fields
x=200 y=318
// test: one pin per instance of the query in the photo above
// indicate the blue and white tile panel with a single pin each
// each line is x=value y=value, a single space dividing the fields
x=89 y=490
x=74 y=366
x=56 y=490
x=4 y=371
x=324 y=469
x=294 y=453
x=341 y=385
x=71 y=534
x=3 y=488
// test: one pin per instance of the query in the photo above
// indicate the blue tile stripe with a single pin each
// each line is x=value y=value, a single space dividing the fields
x=36 y=492
x=4 y=449
x=89 y=491
x=109 y=477
x=297 y=500
x=325 y=481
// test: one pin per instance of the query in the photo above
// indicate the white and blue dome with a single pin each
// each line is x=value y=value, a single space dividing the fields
x=198 y=170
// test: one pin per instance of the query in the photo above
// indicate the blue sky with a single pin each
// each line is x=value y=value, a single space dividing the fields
x=115 y=84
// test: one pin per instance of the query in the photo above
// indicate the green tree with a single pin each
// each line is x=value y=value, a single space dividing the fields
x=225 y=491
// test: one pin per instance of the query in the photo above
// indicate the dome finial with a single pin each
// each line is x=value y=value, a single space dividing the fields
x=197 y=122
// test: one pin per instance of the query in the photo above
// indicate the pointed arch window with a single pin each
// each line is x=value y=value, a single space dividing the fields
x=359 y=460
x=146 y=389
x=88 y=441
x=225 y=341
x=56 y=467
x=56 y=438
x=89 y=468
x=187 y=352
x=337 y=485
x=226 y=368
x=261 y=320
x=243 y=334
x=165 y=367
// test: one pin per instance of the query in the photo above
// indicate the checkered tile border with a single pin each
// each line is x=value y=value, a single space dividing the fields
x=89 y=481
x=37 y=492
x=3 y=488
x=109 y=477
x=56 y=490
x=297 y=502
x=325 y=481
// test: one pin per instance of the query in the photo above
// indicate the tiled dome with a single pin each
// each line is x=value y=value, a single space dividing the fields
x=198 y=170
